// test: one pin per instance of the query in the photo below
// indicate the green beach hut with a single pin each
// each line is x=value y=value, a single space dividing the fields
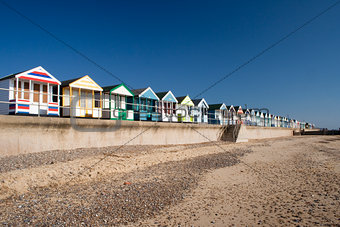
x=115 y=102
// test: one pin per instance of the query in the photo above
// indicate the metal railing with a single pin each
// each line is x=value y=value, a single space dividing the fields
x=140 y=111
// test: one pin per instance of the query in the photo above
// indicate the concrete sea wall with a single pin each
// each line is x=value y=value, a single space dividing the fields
x=28 y=134
x=252 y=132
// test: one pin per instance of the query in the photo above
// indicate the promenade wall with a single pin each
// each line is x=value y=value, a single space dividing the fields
x=30 y=134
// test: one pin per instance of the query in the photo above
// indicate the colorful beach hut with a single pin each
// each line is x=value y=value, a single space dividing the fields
x=239 y=113
x=232 y=115
x=200 y=110
x=253 y=117
x=34 y=91
x=246 y=119
x=184 y=110
x=115 y=100
x=144 y=103
x=218 y=114
x=168 y=106
x=83 y=96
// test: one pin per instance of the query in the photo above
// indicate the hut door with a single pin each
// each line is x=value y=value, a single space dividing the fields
x=89 y=104
x=122 y=108
x=36 y=94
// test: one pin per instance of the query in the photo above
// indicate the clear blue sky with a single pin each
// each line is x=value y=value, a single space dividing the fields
x=184 y=46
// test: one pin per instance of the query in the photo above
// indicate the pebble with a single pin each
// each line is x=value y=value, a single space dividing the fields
x=105 y=202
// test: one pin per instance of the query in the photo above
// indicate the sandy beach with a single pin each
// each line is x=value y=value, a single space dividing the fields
x=286 y=181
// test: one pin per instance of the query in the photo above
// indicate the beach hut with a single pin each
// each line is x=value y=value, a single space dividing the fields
x=253 y=117
x=302 y=125
x=279 y=121
x=144 y=103
x=115 y=102
x=246 y=119
x=294 y=123
x=231 y=115
x=201 y=110
x=270 y=119
x=82 y=96
x=218 y=114
x=168 y=106
x=34 y=91
x=239 y=114
x=298 y=124
x=291 y=123
x=257 y=118
x=276 y=121
x=185 y=109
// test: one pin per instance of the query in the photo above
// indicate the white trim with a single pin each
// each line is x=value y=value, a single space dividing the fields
x=149 y=88
x=223 y=104
x=39 y=68
x=171 y=94
x=205 y=102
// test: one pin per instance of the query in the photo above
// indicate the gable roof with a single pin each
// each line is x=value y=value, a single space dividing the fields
x=82 y=82
x=11 y=76
x=216 y=106
x=161 y=94
x=180 y=99
x=108 y=88
x=231 y=107
x=121 y=89
x=198 y=101
x=188 y=102
x=246 y=110
x=164 y=96
x=67 y=82
x=140 y=92
x=36 y=74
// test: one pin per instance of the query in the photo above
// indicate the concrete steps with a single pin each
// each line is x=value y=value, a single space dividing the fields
x=230 y=133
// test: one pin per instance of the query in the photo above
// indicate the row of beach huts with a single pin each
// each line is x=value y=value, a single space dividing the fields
x=37 y=92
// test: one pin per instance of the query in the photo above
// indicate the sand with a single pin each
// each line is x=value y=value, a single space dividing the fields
x=286 y=181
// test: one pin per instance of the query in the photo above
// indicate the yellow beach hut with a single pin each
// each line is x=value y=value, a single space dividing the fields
x=184 y=110
x=84 y=95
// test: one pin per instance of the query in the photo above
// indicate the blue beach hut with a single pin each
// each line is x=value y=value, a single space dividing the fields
x=145 y=105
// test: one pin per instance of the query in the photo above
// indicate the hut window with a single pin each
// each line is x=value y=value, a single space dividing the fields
x=45 y=94
x=19 y=90
x=143 y=102
x=122 y=102
x=66 y=96
x=36 y=94
x=54 y=94
x=117 y=100
x=169 y=109
x=76 y=98
x=106 y=100
x=165 y=106
x=149 y=105
x=97 y=100
x=26 y=91
x=83 y=98
x=89 y=100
